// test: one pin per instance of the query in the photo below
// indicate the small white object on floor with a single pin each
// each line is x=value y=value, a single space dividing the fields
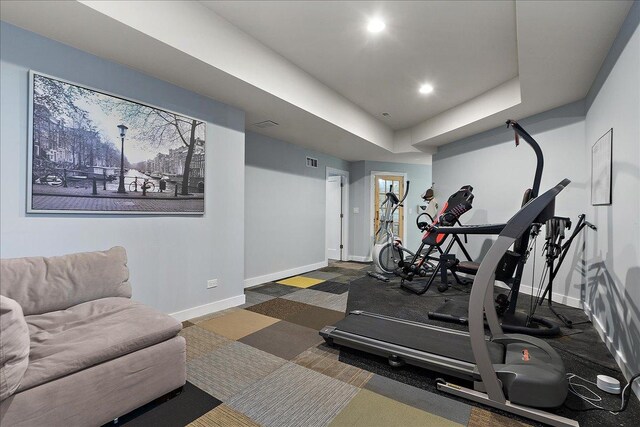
x=608 y=384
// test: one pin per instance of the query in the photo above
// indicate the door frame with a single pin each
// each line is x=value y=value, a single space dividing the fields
x=372 y=208
x=344 y=254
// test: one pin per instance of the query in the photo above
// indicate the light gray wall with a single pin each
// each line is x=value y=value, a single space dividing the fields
x=500 y=172
x=361 y=198
x=170 y=258
x=285 y=206
x=613 y=291
x=602 y=271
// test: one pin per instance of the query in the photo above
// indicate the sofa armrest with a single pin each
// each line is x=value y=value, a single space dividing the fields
x=41 y=285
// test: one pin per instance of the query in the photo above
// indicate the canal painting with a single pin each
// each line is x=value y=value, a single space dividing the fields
x=92 y=152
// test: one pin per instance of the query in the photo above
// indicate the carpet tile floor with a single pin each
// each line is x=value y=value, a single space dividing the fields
x=264 y=364
x=268 y=366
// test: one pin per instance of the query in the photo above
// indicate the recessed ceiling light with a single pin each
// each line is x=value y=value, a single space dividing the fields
x=425 y=89
x=375 y=25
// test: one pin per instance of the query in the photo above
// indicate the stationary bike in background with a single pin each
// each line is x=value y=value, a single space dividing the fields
x=385 y=256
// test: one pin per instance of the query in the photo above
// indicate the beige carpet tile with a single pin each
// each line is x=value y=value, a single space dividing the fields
x=368 y=409
x=187 y=324
x=213 y=315
x=436 y=404
x=228 y=370
x=300 y=281
x=201 y=341
x=283 y=339
x=315 y=317
x=326 y=363
x=279 y=308
x=321 y=299
x=223 y=416
x=294 y=396
x=253 y=298
x=483 y=418
x=238 y=324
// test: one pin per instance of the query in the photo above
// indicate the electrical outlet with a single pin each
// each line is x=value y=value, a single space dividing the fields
x=356 y=210
x=212 y=283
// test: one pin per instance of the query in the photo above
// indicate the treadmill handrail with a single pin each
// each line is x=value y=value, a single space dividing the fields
x=536 y=148
x=484 y=281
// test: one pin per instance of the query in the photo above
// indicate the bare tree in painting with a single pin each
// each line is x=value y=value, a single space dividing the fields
x=159 y=128
x=59 y=97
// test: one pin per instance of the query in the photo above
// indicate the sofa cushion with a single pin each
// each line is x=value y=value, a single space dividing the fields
x=14 y=346
x=41 y=285
x=64 y=342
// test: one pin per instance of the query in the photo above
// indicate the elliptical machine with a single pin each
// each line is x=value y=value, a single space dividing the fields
x=385 y=255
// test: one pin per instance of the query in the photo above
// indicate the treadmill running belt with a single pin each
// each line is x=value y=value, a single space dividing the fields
x=433 y=341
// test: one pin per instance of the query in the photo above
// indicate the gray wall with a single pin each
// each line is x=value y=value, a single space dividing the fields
x=285 y=207
x=170 y=258
x=613 y=291
x=499 y=173
x=602 y=272
x=360 y=228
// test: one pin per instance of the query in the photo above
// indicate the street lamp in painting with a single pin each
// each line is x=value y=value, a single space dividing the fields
x=123 y=132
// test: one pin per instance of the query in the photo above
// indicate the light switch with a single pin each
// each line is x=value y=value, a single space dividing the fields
x=356 y=210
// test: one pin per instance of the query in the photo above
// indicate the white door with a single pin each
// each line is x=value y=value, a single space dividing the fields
x=334 y=217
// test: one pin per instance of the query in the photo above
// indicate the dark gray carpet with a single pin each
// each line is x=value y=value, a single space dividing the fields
x=171 y=410
x=581 y=348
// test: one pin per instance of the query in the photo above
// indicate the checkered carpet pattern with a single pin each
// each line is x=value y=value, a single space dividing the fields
x=268 y=366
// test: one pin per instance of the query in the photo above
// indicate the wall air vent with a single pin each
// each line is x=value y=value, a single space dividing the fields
x=312 y=163
x=265 y=124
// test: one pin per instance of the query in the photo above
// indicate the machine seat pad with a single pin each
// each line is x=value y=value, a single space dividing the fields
x=87 y=334
x=468 y=267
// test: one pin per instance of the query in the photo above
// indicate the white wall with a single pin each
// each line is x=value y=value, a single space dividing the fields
x=170 y=258
x=613 y=291
x=499 y=173
x=285 y=209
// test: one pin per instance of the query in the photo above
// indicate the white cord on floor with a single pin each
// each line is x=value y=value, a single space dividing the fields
x=589 y=400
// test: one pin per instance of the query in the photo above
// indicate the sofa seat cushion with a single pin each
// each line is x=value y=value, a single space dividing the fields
x=67 y=341
x=14 y=346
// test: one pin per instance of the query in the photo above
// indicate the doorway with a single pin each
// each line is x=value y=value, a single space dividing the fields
x=382 y=185
x=335 y=216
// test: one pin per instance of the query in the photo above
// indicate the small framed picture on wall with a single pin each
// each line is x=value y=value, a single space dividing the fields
x=602 y=170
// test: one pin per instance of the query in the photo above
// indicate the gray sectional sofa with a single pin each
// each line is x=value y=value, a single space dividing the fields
x=75 y=350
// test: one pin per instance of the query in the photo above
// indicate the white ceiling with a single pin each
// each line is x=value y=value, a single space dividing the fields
x=462 y=48
x=313 y=68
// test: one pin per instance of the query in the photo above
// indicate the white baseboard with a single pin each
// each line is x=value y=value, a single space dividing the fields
x=205 y=309
x=253 y=281
x=620 y=359
x=559 y=298
x=359 y=258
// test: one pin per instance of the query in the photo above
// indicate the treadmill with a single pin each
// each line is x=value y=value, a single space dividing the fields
x=513 y=372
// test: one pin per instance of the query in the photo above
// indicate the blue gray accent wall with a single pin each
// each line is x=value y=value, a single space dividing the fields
x=285 y=208
x=361 y=199
x=170 y=258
